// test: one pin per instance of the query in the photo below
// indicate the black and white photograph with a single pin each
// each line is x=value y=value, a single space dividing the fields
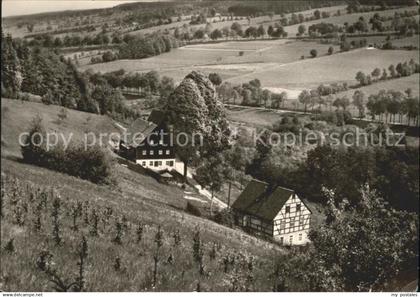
x=209 y=146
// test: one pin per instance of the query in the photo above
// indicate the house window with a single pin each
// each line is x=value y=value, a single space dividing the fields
x=298 y=207
x=287 y=209
x=161 y=141
x=143 y=163
x=160 y=163
x=170 y=163
x=144 y=153
x=244 y=221
x=292 y=222
x=301 y=220
x=281 y=240
x=291 y=239
x=151 y=153
x=160 y=152
x=168 y=152
x=152 y=142
x=151 y=163
x=282 y=225
x=300 y=236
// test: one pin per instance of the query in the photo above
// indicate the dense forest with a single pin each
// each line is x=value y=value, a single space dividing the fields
x=392 y=171
x=42 y=71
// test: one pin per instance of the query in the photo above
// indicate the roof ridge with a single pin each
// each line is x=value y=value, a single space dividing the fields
x=262 y=199
x=259 y=181
x=284 y=188
x=274 y=187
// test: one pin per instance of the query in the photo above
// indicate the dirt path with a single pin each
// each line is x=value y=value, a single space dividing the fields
x=207 y=194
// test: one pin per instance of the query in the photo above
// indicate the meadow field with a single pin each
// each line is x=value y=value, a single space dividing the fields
x=278 y=64
x=266 y=21
x=217 y=55
x=253 y=117
x=339 y=68
x=407 y=41
x=217 y=24
x=76 y=123
x=348 y=18
x=400 y=84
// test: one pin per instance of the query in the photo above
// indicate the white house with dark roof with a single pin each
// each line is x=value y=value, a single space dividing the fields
x=148 y=143
x=273 y=212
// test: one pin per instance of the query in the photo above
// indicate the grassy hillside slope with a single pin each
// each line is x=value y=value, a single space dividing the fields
x=136 y=200
x=17 y=116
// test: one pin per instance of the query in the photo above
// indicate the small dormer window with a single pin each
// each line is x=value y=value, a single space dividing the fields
x=151 y=153
x=144 y=153
x=168 y=152
x=160 y=152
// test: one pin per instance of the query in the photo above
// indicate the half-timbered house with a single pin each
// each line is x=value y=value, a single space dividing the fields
x=273 y=212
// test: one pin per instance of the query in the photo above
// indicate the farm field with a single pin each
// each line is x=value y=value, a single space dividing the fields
x=221 y=57
x=399 y=84
x=253 y=117
x=349 y=18
x=270 y=60
x=407 y=41
x=258 y=51
x=42 y=28
x=396 y=41
x=266 y=21
x=244 y=22
x=310 y=73
x=276 y=64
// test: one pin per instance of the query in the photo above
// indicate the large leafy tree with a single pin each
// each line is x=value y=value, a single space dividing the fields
x=359 y=102
x=193 y=110
x=305 y=98
x=364 y=248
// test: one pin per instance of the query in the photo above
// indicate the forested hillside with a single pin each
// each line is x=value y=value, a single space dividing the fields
x=43 y=72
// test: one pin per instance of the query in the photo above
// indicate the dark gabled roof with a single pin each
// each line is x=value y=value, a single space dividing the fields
x=261 y=200
x=140 y=127
x=157 y=117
